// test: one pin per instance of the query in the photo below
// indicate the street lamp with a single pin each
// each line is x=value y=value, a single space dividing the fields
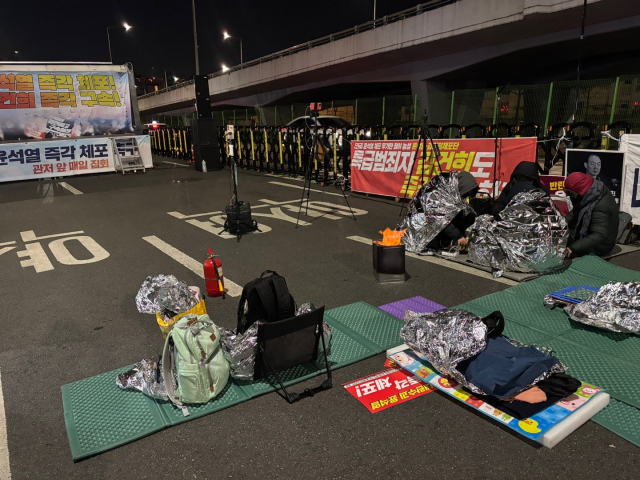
x=225 y=36
x=126 y=27
x=224 y=68
x=175 y=79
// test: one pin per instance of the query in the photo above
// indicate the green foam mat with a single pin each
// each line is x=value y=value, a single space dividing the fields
x=621 y=419
x=93 y=406
x=99 y=416
x=607 y=359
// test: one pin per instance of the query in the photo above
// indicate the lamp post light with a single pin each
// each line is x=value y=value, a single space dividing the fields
x=225 y=36
x=224 y=68
x=126 y=27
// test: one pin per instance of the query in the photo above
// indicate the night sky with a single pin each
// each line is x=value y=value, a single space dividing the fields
x=162 y=34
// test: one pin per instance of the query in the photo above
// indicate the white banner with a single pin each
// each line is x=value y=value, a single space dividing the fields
x=62 y=158
x=630 y=202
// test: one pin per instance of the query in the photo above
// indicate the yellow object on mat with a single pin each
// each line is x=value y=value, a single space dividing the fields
x=166 y=327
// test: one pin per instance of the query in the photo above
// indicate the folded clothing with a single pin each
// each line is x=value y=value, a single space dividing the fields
x=502 y=369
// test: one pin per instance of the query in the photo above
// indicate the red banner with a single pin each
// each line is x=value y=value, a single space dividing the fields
x=382 y=167
x=385 y=389
x=554 y=183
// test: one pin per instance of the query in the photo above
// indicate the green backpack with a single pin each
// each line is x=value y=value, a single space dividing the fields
x=193 y=365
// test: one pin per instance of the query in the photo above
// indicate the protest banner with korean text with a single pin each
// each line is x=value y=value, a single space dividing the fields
x=28 y=160
x=630 y=200
x=382 y=167
x=38 y=104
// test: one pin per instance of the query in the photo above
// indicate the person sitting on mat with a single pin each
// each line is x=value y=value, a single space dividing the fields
x=525 y=177
x=593 y=222
x=454 y=233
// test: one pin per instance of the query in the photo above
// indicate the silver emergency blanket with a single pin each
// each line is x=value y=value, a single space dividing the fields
x=146 y=377
x=240 y=349
x=165 y=293
x=431 y=209
x=447 y=337
x=531 y=236
x=615 y=307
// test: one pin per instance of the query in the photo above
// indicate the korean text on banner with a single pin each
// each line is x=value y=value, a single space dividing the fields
x=37 y=105
x=22 y=161
x=382 y=167
x=630 y=201
x=385 y=389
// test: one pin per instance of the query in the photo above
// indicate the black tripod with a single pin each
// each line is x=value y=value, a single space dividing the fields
x=307 y=174
x=234 y=200
x=424 y=135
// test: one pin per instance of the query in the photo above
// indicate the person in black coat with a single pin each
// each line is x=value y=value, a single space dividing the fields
x=454 y=233
x=593 y=222
x=524 y=178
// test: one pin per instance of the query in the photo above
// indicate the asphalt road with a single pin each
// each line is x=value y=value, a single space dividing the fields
x=69 y=316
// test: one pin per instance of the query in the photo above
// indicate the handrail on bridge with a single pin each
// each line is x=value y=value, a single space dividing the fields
x=363 y=27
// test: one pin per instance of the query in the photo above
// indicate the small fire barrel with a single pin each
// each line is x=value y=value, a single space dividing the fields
x=388 y=263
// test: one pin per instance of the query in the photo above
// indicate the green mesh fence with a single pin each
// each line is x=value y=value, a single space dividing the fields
x=594 y=104
x=474 y=106
x=300 y=109
x=598 y=104
x=398 y=110
x=283 y=114
x=345 y=109
x=521 y=104
x=369 y=111
x=627 y=106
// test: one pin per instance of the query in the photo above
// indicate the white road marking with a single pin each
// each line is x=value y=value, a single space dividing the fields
x=63 y=255
x=295 y=179
x=7 y=243
x=302 y=188
x=73 y=190
x=30 y=236
x=232 y=289
x=174 y=163
x=180 y=216
x=5 y=470
x=37 y=258
x=446 y=263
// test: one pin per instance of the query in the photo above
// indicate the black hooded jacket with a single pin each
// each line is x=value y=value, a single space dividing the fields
x=525 y=177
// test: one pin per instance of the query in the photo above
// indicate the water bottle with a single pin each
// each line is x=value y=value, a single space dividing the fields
x=204 y=166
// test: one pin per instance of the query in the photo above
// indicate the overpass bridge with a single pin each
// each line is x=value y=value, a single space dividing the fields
x=427 y=51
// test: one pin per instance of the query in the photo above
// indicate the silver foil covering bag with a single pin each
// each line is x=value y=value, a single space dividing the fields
x=431 y=209
x=240 y=351
x=165 y=293
x=531 y=236
x=146 y=377
x=447 y=337
x=615 y=307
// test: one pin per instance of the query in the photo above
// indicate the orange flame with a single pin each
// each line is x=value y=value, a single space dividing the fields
x=391 y=238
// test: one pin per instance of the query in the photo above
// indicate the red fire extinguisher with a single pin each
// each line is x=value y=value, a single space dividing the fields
x=213 y=279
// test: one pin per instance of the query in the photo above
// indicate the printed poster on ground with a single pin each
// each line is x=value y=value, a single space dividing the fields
x=385 y=389
x=383 y=167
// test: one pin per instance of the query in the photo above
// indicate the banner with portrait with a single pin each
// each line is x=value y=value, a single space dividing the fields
x=63 y=104
x=603 y=165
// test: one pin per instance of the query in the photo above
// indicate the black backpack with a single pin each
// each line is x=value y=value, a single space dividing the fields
x=239 y=218
x=265 y=298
